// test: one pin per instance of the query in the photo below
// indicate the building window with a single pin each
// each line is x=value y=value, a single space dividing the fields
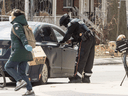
x=43 y=6
x=68 y=4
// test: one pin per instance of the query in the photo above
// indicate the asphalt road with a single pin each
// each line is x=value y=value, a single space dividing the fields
x=105 y=81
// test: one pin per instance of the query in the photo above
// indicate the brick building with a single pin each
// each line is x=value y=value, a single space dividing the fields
x=47 y=5
x=63 y=8
x=52 y=10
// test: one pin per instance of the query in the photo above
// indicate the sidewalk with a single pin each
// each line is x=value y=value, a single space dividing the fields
x=73 y=90
x=108 y=60
x=6 y=92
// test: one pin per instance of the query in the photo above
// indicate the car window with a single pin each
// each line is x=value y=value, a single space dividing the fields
x=45 y=33
x=58 y=35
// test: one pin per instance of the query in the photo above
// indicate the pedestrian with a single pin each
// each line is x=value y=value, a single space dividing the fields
x=20 y=53
x=86 y=39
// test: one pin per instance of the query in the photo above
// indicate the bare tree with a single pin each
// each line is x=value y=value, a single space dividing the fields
x=116 y=19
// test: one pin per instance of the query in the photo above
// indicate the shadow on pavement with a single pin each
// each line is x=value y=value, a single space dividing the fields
x=13 y=84
x=57 y=83
x=49 y=83
x=10 y=84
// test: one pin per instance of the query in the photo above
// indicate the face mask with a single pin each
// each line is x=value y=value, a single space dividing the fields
x=10 y=18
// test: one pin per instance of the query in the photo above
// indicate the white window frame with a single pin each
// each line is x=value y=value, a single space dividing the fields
x=67 y=4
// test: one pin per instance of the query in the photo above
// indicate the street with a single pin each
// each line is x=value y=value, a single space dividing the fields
x=105 y=81
x=54 y=36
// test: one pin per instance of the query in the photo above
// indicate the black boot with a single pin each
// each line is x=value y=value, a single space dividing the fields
x=75 y=79
x=71 y=78
x=86 y=79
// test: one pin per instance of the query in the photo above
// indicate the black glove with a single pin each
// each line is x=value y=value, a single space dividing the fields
x=61 y=43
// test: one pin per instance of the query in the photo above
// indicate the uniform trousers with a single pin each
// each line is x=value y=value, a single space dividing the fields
x=85 y=57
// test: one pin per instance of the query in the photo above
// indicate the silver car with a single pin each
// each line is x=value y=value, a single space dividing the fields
x=60 y=60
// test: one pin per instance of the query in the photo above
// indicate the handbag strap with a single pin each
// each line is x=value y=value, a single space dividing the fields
x=15 y=32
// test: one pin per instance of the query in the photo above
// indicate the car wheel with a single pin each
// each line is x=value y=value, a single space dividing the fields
x=44 y=74
x=12 y=79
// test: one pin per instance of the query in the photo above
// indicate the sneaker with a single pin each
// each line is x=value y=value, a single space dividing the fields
x=20 y=84
x=86 y=79
x=29 y=93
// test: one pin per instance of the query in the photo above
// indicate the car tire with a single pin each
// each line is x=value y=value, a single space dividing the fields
x=44 y=74
x=12 y=79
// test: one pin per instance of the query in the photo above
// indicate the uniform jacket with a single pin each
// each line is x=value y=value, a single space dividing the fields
x=75 y=27
x=18 y=51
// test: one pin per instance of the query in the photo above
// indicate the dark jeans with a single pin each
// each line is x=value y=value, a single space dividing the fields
x=20 y=73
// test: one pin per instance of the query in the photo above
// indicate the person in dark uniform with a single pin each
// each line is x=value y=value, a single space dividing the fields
x=86 y=39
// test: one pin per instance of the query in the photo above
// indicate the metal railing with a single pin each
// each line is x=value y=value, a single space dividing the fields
x=4 y=18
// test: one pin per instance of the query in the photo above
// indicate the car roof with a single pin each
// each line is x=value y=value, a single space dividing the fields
x=5 y=28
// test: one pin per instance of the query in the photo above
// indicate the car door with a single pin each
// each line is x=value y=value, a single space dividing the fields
x=51 y=49
x=68 y=56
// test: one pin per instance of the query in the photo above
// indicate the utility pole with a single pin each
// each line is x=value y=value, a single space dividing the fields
x=118 y=18
x=104 y=11
x=3 y=8
x=32 y=9
x=81 y=8
x=26 y=8
x=90 y=9
x=54 y=10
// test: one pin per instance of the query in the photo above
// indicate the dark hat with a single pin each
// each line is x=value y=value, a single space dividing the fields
x=63 y=19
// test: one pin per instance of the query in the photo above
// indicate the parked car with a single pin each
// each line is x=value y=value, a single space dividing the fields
x=59 y=61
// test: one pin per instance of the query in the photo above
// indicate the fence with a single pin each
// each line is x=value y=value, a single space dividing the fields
x=4 y=18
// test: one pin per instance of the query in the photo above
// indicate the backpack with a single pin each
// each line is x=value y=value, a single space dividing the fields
x=29 y=36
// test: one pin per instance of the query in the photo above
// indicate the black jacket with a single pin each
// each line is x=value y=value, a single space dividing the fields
x=75 y=27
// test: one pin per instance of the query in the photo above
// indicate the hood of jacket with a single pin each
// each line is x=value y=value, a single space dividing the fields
x=20 y=19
